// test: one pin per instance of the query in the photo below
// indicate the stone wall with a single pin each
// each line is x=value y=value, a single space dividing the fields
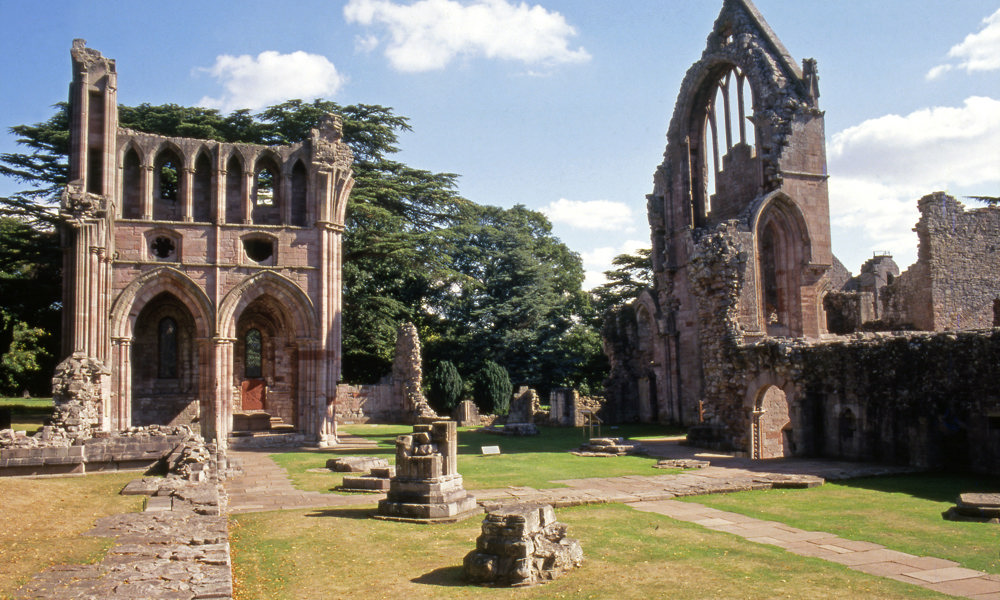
x=951 y=286
x=375 y=403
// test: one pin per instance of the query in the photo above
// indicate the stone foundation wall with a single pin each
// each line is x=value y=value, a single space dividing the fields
x=374 y=403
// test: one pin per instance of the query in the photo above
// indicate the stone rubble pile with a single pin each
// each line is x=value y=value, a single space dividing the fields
x=609 y=447
x=522 y=545
x=356 y=464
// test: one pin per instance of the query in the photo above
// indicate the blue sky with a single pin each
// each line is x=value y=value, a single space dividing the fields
x=561 y=105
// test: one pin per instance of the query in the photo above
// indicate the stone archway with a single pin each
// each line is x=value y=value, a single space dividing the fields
x=265 y=362
x=165 y=365
x=771 y=429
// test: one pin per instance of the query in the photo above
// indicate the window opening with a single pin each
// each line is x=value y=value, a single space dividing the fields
x=163 y=248
x=252 y=364
x=167 y=348
x=264 y=188
x=258 y=250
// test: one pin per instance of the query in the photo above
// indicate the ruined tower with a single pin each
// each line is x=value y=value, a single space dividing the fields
x=204 y=276
x=739 y=219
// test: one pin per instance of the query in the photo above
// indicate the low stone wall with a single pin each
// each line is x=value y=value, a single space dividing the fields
x=373 y=403
x=921 y=399
x=50 y=454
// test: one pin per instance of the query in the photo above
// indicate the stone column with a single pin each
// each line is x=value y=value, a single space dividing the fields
x=146 y=181
x=223 y=370
x=248 y=196
x=121 y=417
x=187 y=194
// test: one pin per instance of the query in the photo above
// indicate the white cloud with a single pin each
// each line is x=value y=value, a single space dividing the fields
x=595 y=214
x=881 y=167
x=979 y=51
x=598 y=260
x=428 y=34
x=270 y=78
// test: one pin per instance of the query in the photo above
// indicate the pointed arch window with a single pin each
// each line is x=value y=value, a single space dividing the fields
x=253 y=350
x=167 y=348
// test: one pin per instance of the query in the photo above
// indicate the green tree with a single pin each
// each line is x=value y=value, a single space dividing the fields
x=514 y=294
x=492 y=389
x=445 y=386
x=632 y=274
x=30 y=289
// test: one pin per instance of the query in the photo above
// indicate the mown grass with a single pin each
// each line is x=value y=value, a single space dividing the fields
x=28 y=414
x=532 y=461
x=41 y=521
x=901 y=512
x=341 y=553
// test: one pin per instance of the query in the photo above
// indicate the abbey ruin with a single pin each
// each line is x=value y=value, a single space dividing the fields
x=738 y=337
x=204 y=276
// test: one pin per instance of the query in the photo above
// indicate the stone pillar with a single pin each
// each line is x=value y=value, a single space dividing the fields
x=248 y=182
x=206 y=389
x=187 y=193
x=223 y=370
x=146 y=181
x=121 y=385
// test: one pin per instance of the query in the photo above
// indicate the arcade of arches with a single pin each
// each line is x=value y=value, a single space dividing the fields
x=204 y=275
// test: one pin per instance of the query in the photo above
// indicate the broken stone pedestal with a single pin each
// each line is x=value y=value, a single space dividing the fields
x=521 y=545
x=427 y=487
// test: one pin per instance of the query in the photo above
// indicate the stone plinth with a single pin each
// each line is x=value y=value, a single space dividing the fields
x=521 y=545
x=427 y=487
x=377 y=481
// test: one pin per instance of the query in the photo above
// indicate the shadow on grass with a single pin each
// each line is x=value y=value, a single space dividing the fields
x=444 y=577
x=937 y=487
x=344 y=513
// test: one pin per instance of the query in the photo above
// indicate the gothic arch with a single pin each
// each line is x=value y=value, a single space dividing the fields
x=301 y=312
x=147 y=286
x=782 y=249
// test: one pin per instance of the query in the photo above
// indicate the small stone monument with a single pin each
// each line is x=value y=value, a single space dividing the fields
x=427 y=487
x=521 y=545
x=521 y=418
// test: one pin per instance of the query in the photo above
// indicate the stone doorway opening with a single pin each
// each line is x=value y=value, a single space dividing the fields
x=265 y=368
x=771 y=425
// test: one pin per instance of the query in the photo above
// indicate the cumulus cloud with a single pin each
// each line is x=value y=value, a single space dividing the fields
x=271 y=77
x=979 y=51
x=595 y=214
x=882 y=166
x=598 y=260
x=428 y=34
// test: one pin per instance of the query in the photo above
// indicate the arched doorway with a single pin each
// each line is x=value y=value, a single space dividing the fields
x=265 y=362
x=164 y=364
x=771 y=426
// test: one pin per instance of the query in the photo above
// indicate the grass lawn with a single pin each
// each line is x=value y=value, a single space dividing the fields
x=901 y=512
x=28 y=414
x=41 y=521
x=532 y=461
x=341 y=553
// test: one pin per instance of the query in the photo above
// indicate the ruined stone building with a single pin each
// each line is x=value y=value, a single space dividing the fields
x=735 y=337
x=204 y=276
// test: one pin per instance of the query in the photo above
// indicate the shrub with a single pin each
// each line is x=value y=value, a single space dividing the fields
x=493 y=389
x=445 y=386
